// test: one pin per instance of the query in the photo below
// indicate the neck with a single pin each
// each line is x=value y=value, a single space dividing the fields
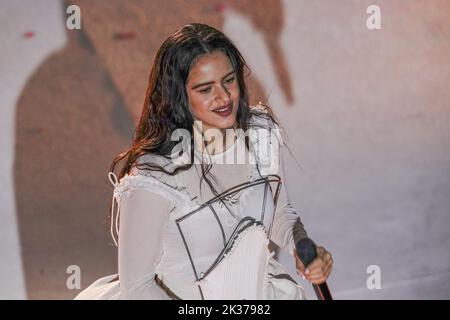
x=214 y=141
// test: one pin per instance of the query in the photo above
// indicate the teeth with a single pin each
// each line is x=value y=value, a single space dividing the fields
x=220 y=110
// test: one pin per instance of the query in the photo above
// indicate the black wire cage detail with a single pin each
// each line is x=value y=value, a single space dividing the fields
x=242 y=224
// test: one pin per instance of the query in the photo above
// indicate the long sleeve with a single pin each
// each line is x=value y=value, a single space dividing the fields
x=143 y=217
x=267 y=140
x=287 y=227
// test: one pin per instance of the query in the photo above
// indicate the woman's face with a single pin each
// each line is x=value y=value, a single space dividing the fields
x=213 y=91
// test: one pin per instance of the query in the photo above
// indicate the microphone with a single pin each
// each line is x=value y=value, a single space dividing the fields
x=307 y=252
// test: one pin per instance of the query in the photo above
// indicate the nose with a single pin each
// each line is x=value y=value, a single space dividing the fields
x=223 y=95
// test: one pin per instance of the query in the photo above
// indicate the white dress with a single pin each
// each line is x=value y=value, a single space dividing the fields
x=158 y=236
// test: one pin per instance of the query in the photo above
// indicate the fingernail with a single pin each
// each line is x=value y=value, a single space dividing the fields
x=307 y=271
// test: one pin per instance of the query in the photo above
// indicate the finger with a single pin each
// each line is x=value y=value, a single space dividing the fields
x=301 y=275
x=328 y=262
x=314 y=276
x=315 y=264
x=329 y=269
x=320 y=250
x=319 y=281
x=326 y=266
x=331 y=259
x=323 y=277
x=327 y=272
x=318 y=267
x=300 y=266
x=319 y=277
x=317 y=272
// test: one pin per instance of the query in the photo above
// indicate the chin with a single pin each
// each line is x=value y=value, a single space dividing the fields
x=225 y=123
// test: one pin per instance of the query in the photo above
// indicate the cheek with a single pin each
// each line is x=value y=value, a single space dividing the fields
x=199 y=104
x=235 y=92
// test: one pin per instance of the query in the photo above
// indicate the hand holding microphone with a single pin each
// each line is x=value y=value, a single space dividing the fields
x=315 y=265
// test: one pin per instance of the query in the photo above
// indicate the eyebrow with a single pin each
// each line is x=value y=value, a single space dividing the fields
x=210 y=82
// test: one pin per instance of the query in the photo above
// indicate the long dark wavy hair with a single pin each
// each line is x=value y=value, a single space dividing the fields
x=166 y=105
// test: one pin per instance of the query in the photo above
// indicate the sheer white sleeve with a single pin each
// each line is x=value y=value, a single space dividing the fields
x=143 y=217
x=287 y=227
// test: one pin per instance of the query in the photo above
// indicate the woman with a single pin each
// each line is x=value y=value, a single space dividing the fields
x=193 y=224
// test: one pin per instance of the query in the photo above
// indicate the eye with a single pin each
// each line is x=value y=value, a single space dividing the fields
x=206 y=90
x=230 y=80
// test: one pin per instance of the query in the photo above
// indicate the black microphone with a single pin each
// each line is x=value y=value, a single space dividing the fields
x=307 y=252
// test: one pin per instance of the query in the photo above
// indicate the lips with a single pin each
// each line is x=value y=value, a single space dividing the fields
x=224 y=110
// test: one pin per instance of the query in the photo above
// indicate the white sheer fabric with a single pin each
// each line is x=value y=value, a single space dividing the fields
x=150 y=243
